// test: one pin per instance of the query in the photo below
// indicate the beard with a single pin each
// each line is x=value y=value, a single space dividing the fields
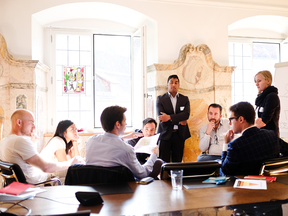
x=216 y=121
x=25 y=130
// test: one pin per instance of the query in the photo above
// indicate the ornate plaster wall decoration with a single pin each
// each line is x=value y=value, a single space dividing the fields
x=199 y=74
x=1 y=70
x=21 y=102
x=1 y=122
x=23 y=79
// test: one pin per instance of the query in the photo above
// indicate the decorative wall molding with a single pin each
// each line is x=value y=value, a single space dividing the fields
x=195 y=91
x=23 y=84
x=9 y=58
x=187 y=49
x=21 y=101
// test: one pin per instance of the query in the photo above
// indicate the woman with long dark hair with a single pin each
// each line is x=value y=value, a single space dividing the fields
x=63 y=145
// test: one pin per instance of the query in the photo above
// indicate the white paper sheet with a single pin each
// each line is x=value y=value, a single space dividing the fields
x=145 y=144
x=250 y=184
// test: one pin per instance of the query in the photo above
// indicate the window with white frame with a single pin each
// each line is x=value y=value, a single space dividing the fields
x=107 y=77
x=250 y=58
x=74 y=51
x=112 y=66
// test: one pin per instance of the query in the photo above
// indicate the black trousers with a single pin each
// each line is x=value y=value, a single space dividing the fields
x=174 y=146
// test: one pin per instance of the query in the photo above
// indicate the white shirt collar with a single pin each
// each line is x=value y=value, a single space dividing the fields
x=177 y=95
x=247 y=128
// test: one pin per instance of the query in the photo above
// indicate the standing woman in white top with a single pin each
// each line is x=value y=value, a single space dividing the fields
x=63 y=145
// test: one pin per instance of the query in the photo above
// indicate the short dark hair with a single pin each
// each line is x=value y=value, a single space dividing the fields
x=110 y=116
x=215 y=105
x=149 y=120
x=244 y=109
x=173 y=76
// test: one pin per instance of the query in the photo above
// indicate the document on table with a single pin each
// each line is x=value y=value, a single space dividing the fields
x=145 y=144
x=250 y=184
x=30 y=192
x=15 y=188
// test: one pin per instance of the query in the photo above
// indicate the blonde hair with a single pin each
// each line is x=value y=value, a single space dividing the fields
x=266 y=75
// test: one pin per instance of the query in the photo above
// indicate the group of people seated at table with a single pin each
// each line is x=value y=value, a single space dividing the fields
x=239 y=156
x=239 y=143
x=108 y=149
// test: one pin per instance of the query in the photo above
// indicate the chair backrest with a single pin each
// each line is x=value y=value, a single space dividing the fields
x=11 y=172
x=191 y=169
x=79 y=174
x=275 y=166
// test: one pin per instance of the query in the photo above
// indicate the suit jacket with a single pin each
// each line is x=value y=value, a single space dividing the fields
x=246 y=154
x=182 y=113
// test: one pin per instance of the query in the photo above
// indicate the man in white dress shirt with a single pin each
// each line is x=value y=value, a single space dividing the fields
x=212 y=134
x=110 y=150
x=173 y=110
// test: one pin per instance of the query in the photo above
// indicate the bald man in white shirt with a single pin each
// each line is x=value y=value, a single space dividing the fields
x=18 y=148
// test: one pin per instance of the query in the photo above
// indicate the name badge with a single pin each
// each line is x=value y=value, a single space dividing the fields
x=261 y=109
x=182 y=108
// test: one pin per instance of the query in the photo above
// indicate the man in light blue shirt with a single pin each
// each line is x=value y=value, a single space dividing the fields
x=110 y=150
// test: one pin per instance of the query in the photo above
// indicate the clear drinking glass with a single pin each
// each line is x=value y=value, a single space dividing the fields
x=176 y=179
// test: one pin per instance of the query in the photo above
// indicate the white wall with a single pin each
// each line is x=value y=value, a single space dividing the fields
x=177 y=24
x=38 y=40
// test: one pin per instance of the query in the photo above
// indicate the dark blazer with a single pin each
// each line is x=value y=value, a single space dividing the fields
x=270 y=116
x=246 y=153
x=182 y=113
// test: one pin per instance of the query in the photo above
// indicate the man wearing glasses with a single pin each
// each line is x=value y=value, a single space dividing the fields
x=212 y=134
x=244 y=155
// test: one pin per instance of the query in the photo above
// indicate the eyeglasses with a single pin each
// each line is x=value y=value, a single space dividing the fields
x=230 y=119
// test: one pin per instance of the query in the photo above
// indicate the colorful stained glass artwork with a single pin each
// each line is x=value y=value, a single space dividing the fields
x=73 y=80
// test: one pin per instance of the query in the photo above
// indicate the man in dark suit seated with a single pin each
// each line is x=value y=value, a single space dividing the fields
x=244 y=155
x=148 y=130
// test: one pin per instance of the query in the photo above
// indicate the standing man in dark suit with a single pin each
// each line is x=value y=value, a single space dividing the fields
x=244 y=155
x=173 y=110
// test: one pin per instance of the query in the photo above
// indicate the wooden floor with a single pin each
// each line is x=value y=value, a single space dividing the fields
x=157 y=196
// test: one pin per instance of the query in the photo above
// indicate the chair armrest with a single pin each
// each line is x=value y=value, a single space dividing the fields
x=190 y=169
x=49 y=181
x=274 y=165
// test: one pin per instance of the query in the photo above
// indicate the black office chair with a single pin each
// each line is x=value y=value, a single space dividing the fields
x=79 y=174
x=191 y=169
x=275 y=166
x=11 y=172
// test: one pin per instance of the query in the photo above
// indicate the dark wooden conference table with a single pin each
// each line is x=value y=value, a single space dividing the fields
x=155 y=197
